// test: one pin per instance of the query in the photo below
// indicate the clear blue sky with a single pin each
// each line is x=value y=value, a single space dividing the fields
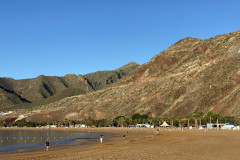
x=58 y=37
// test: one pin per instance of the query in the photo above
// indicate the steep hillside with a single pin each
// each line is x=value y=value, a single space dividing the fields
x=191 y=75
x=101 y=79
x=28 y=93
x=38 y=89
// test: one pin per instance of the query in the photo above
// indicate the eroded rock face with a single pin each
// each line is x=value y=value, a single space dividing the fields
x=235 y=48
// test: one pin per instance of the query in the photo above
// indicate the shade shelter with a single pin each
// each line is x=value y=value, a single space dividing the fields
x=165 y=124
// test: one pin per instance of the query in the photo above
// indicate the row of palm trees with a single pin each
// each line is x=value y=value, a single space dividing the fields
x=198 y=118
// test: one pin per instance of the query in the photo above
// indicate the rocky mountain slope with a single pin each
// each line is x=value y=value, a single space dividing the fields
x=47 y=89
x=101 y=79
x=191 y=75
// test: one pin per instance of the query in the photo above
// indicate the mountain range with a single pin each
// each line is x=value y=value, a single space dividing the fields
x=191 y=75
x=46 y=89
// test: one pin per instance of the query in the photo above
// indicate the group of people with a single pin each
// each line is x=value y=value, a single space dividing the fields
x=101 y=137
x=47 y=144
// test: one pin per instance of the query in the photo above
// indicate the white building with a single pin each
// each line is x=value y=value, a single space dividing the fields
x=225 y=126
x=214 y=125
x=229 y=126
x=80 y=125
x=146 y=125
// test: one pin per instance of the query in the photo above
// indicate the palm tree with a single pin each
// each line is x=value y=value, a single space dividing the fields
x=210 y=114
x=160 y=121
x=109 y=122
x=59 y=124
x=88 y=121
x=179 y=118
x=188 y=118
x=121 y=121
x=218 y=117
x=155 y=121
x=150 y=120
x=195 y=116
x=167 y=119
x=200 y=115
x=171 y=120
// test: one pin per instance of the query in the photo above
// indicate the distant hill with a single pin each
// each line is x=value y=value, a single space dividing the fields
x=47 y=89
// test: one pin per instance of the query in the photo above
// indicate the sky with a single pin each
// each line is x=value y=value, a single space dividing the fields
x=58 y=37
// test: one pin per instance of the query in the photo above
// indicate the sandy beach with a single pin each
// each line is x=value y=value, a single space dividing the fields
x=143 y=144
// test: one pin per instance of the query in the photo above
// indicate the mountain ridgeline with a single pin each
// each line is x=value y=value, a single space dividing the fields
x=189 y=76
x=47 y=89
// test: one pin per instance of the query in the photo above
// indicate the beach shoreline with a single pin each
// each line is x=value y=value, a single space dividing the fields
x=144 y=144
x=116 y=134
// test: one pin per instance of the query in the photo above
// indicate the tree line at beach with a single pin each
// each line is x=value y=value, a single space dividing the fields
x=198 y=118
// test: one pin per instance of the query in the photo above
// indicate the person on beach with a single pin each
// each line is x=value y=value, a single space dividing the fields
x=47 y=144
x=101 y=138
x=124 y=135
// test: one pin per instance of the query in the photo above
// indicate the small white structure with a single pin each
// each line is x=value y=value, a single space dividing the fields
x=236 y=128
x=146 y=125
x=140 y=125
x=80 y=125
x=165 y=124
x=214 y=126
x=51 y=126
x=149 y=125
x=200 y=127
x=225 y=126
x=209 y=125
x=229 y=126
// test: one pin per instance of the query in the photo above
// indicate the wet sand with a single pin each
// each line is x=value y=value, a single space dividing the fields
x=142 y=144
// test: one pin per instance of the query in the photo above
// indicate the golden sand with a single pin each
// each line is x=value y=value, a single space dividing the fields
x=142 y=144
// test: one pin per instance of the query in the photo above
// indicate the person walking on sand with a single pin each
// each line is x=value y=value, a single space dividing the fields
x=101 y=138
x=124 y=135
x=47 y=144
